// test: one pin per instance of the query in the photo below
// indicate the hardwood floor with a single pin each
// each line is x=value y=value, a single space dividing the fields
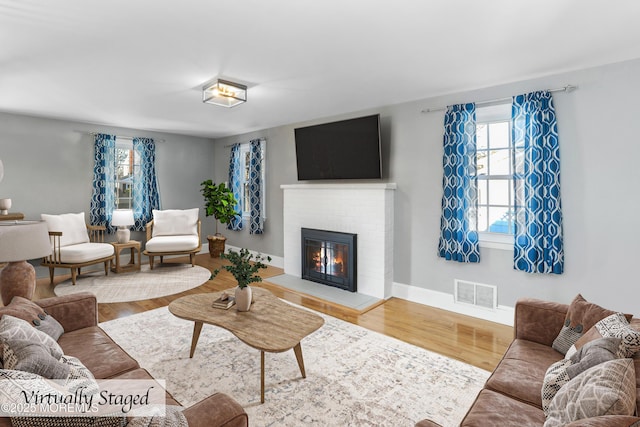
x=471 y=340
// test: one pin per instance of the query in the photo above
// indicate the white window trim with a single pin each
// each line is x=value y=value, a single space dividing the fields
x=493 y=113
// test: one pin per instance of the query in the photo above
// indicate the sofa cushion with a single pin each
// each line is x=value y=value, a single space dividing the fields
x=174 y=222
x=35 y=315
x=521 y=371
x=24 y=348
x=615 y=326
x=606 y=389
x=84 y=252
x=496 y=409
x=97 y=351
x=582 y=315
x=72 y=226
x=172 y=243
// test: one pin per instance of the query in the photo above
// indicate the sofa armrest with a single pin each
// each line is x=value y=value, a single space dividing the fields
x=216 y=410
x=74 y=311
x=538 y=321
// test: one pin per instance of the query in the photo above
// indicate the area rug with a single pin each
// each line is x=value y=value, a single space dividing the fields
x=355 y=377
x=164 y=279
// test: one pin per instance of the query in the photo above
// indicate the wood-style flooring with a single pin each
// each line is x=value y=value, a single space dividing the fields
x=471 y=340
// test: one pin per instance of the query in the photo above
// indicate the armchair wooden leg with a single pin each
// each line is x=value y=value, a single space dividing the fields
x=161 y=259
x=51 y=274
x=192 y=258
x=106 y=268
x=150 y=262
x=74 y=273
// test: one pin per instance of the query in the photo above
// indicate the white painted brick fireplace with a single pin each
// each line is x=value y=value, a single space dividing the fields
x=363 y=209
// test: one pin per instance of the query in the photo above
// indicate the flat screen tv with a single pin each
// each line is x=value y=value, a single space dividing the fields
x=348 y=149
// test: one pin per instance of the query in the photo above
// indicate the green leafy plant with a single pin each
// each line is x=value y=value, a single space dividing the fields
x=244 y=266
x=219 y=201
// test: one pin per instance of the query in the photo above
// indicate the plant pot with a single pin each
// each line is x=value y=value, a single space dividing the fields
x=216 y=245
x=243 y=298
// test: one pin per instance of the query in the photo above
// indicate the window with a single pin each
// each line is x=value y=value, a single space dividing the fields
x=245 y=167
x=127 y=165
x=495 y=175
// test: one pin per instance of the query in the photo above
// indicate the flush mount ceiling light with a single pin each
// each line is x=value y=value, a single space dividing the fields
x=224 y=93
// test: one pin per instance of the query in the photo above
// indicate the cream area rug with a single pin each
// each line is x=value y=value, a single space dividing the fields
x=165 y=279
x=355 y=377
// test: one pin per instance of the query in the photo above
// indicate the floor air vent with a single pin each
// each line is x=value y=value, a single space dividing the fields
x=478 y=294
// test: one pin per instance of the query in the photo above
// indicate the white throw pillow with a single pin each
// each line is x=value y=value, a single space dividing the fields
x=175 y=222
x=72 y=226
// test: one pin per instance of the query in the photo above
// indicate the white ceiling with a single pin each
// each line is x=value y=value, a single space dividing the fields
x=141 y=63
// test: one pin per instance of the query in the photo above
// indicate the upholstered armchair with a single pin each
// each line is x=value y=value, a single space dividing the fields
x=75 y=244
x=173 y=232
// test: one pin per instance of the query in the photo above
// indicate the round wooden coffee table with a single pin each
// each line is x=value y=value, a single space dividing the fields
x=270 y=326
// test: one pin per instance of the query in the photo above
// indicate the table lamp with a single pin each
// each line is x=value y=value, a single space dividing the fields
x=122 y=218
x=20 y=241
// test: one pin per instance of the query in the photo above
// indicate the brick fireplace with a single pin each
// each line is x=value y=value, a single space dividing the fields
x=365 y=210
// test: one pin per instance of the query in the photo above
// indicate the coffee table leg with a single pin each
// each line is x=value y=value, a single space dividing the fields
x=298 y=351
x=261 y=376
x=197 y=327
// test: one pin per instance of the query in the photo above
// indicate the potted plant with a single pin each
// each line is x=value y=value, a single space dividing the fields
x=244 y=267
x=220 y=203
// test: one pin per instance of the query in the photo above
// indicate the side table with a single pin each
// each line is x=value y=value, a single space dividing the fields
x=133 y=265
x=12 y=216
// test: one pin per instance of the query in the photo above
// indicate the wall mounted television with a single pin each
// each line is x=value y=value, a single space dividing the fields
x=346 y=149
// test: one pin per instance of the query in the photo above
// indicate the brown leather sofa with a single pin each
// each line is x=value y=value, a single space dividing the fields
x=84 y=339
x=512 y=394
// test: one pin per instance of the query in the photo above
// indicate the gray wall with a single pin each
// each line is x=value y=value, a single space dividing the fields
x=599 y=152
x=49 y=166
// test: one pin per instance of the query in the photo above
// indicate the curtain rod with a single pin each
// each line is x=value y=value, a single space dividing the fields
x=567 y=88
x=231 y=145
x=121 y=136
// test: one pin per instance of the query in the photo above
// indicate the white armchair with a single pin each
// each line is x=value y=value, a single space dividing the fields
x=173 y=232
x=75 y=244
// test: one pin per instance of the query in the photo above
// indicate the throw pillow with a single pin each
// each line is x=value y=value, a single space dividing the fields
x=555 y=377
x=27 y=349
x=72 y=226
x=606 y=389
x=175 y=222
x=28 y=310
x=616 y=326
x=581 y=316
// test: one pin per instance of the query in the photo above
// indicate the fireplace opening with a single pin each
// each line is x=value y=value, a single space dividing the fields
x=329 y=257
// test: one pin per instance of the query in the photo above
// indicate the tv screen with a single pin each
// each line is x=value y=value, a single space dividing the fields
x=348 y=149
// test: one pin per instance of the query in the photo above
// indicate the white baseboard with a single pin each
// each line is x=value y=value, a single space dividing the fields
x=503 y=314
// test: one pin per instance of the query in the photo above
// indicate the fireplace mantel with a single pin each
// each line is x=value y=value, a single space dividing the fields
x=365 y=209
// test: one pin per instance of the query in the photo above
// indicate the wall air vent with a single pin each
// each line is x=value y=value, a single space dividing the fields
x=477 y=294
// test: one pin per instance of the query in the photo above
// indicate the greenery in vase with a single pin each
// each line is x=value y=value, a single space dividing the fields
x=219 y=201
x=244 y=266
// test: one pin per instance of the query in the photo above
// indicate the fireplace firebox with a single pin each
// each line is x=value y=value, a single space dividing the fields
x=329 y=257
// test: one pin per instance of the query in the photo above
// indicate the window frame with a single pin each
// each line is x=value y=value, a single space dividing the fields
x=486 y=115
x=123 y=143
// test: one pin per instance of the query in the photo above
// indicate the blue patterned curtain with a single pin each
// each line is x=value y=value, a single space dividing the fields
x=255 y=187
x=538 y=214
x=235 y=177
x=145 y=183
x=104 y=181
x=458 y=223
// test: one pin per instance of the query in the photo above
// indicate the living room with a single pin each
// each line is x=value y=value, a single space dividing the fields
x=47 y=152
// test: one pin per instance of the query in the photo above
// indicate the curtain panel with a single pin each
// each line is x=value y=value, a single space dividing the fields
x=256 y=223
x=235 y=178
x=104 y=181
x=458 y=223
x=536 y=159
x=145 y=183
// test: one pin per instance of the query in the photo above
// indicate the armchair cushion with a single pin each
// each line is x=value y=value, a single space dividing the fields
x=172 y=243
x=174 y=222
x=85 y=252
x=72 y=226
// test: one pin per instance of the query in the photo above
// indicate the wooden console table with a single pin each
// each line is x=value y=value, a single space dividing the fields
x=12 y=216
x=133 y=265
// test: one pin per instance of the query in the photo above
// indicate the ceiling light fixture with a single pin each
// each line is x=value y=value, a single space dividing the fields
x=224 y=93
